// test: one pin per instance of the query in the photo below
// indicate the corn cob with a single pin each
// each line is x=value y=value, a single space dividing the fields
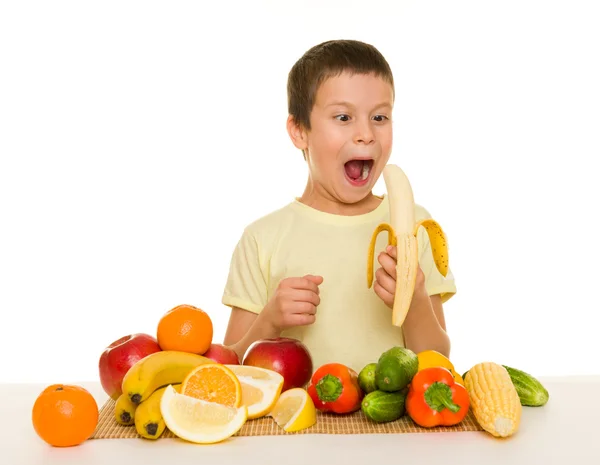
x=494 y=399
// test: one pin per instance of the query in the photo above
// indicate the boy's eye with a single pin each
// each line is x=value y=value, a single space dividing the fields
x=380 y=118
x=343 y=118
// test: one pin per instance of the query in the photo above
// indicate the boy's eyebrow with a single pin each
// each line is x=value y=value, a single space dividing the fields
x=348 y=104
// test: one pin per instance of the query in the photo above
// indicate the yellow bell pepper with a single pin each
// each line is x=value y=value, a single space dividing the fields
x=432 y=358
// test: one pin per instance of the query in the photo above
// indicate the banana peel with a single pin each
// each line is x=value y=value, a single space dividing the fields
x=402 y=233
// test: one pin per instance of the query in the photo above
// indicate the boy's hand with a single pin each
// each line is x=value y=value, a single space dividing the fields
x=294 y=303
x=385 y=277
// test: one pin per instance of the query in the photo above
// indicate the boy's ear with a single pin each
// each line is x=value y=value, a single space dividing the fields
x=297 y=133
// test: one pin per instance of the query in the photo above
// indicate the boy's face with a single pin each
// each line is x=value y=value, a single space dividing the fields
x=350 y=139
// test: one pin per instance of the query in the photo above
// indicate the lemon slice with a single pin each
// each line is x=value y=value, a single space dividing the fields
x=200 y=421
x=260 y=388
x=294 y=410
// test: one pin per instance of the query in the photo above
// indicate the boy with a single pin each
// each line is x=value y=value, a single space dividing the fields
x=300 y=271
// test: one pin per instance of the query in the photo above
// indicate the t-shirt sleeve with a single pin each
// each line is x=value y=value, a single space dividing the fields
x=435 y=282
x=246 y=285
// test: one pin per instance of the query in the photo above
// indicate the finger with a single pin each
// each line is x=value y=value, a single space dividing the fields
x=384 y=295
x=301 y=295
x=301 y=319
x=385 y=280
x=314 y=278
x=304 y=307
x=314 y=282
x=392 y=251
x=420 y=280
x=388 y=264
x=302 y=283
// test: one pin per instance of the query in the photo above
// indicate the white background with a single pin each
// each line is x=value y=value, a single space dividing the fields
x=128 y=128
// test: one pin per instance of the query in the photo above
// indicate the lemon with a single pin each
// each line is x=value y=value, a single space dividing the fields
x=294 y=410
x=260 y=388
x=198 y=420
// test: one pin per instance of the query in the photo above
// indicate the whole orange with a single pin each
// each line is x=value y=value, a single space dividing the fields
x=185 y=328
x=65 y=415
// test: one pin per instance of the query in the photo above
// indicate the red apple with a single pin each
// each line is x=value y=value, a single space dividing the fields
x=121 y=355
x=288 y=357
x=222 y=354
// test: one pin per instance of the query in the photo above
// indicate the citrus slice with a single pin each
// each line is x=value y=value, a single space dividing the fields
x=213 y=382
x=260 y=388
x=200 y=421
x=294 y=410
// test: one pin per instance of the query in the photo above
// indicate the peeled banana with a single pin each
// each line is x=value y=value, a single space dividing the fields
x=124 y=410
x=157 y=370
x=149 y=422
x=402 y=233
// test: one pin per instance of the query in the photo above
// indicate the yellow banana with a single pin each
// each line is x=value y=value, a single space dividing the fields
x=124 y=410
x=149 y=421
x=157 y=370
x=402 y=233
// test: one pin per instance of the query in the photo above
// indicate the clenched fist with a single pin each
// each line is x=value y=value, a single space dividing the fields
x=294 y=303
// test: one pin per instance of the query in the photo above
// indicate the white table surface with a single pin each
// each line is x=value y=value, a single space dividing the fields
x=565 y=431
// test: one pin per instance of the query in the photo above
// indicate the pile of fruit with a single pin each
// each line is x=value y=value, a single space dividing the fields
x=203 y=393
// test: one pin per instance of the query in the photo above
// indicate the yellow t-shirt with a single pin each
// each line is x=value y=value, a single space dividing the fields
x=353 y=326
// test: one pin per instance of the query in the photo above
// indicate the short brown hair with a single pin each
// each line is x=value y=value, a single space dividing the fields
x=326 y=60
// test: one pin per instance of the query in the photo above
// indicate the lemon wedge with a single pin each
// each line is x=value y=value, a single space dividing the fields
x=294 y=410
x=200 y=421
x=260 y=388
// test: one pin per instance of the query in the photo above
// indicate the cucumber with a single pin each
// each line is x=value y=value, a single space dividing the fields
x=395 y=369
x=366 y=378
x=531 y=392
x=381 y=406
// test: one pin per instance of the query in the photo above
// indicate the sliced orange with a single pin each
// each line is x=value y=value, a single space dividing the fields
x=213 y=382
x=260 y=388
x=196 y=420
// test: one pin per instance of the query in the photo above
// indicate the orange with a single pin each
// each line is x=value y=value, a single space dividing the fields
x=198 y=421
x=261 y=388
x=65 y=415
x=213 y=382
x=185 y=328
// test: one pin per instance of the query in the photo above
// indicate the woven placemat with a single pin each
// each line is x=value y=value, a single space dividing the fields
x=327 y=423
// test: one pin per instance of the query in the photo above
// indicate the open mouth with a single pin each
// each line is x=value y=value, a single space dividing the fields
x=358 y=171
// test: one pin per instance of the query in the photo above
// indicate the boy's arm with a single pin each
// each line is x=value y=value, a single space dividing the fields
x=244 y=328
x=294 y=303
x=424 y=327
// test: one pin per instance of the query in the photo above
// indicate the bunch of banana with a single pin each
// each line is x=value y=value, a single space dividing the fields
x=146 y=416
x=144 y=384
x=402 y=233
x=149 y=421
x=158 y=370
x=125 y=410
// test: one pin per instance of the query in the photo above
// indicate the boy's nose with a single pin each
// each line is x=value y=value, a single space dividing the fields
x=364 y=133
